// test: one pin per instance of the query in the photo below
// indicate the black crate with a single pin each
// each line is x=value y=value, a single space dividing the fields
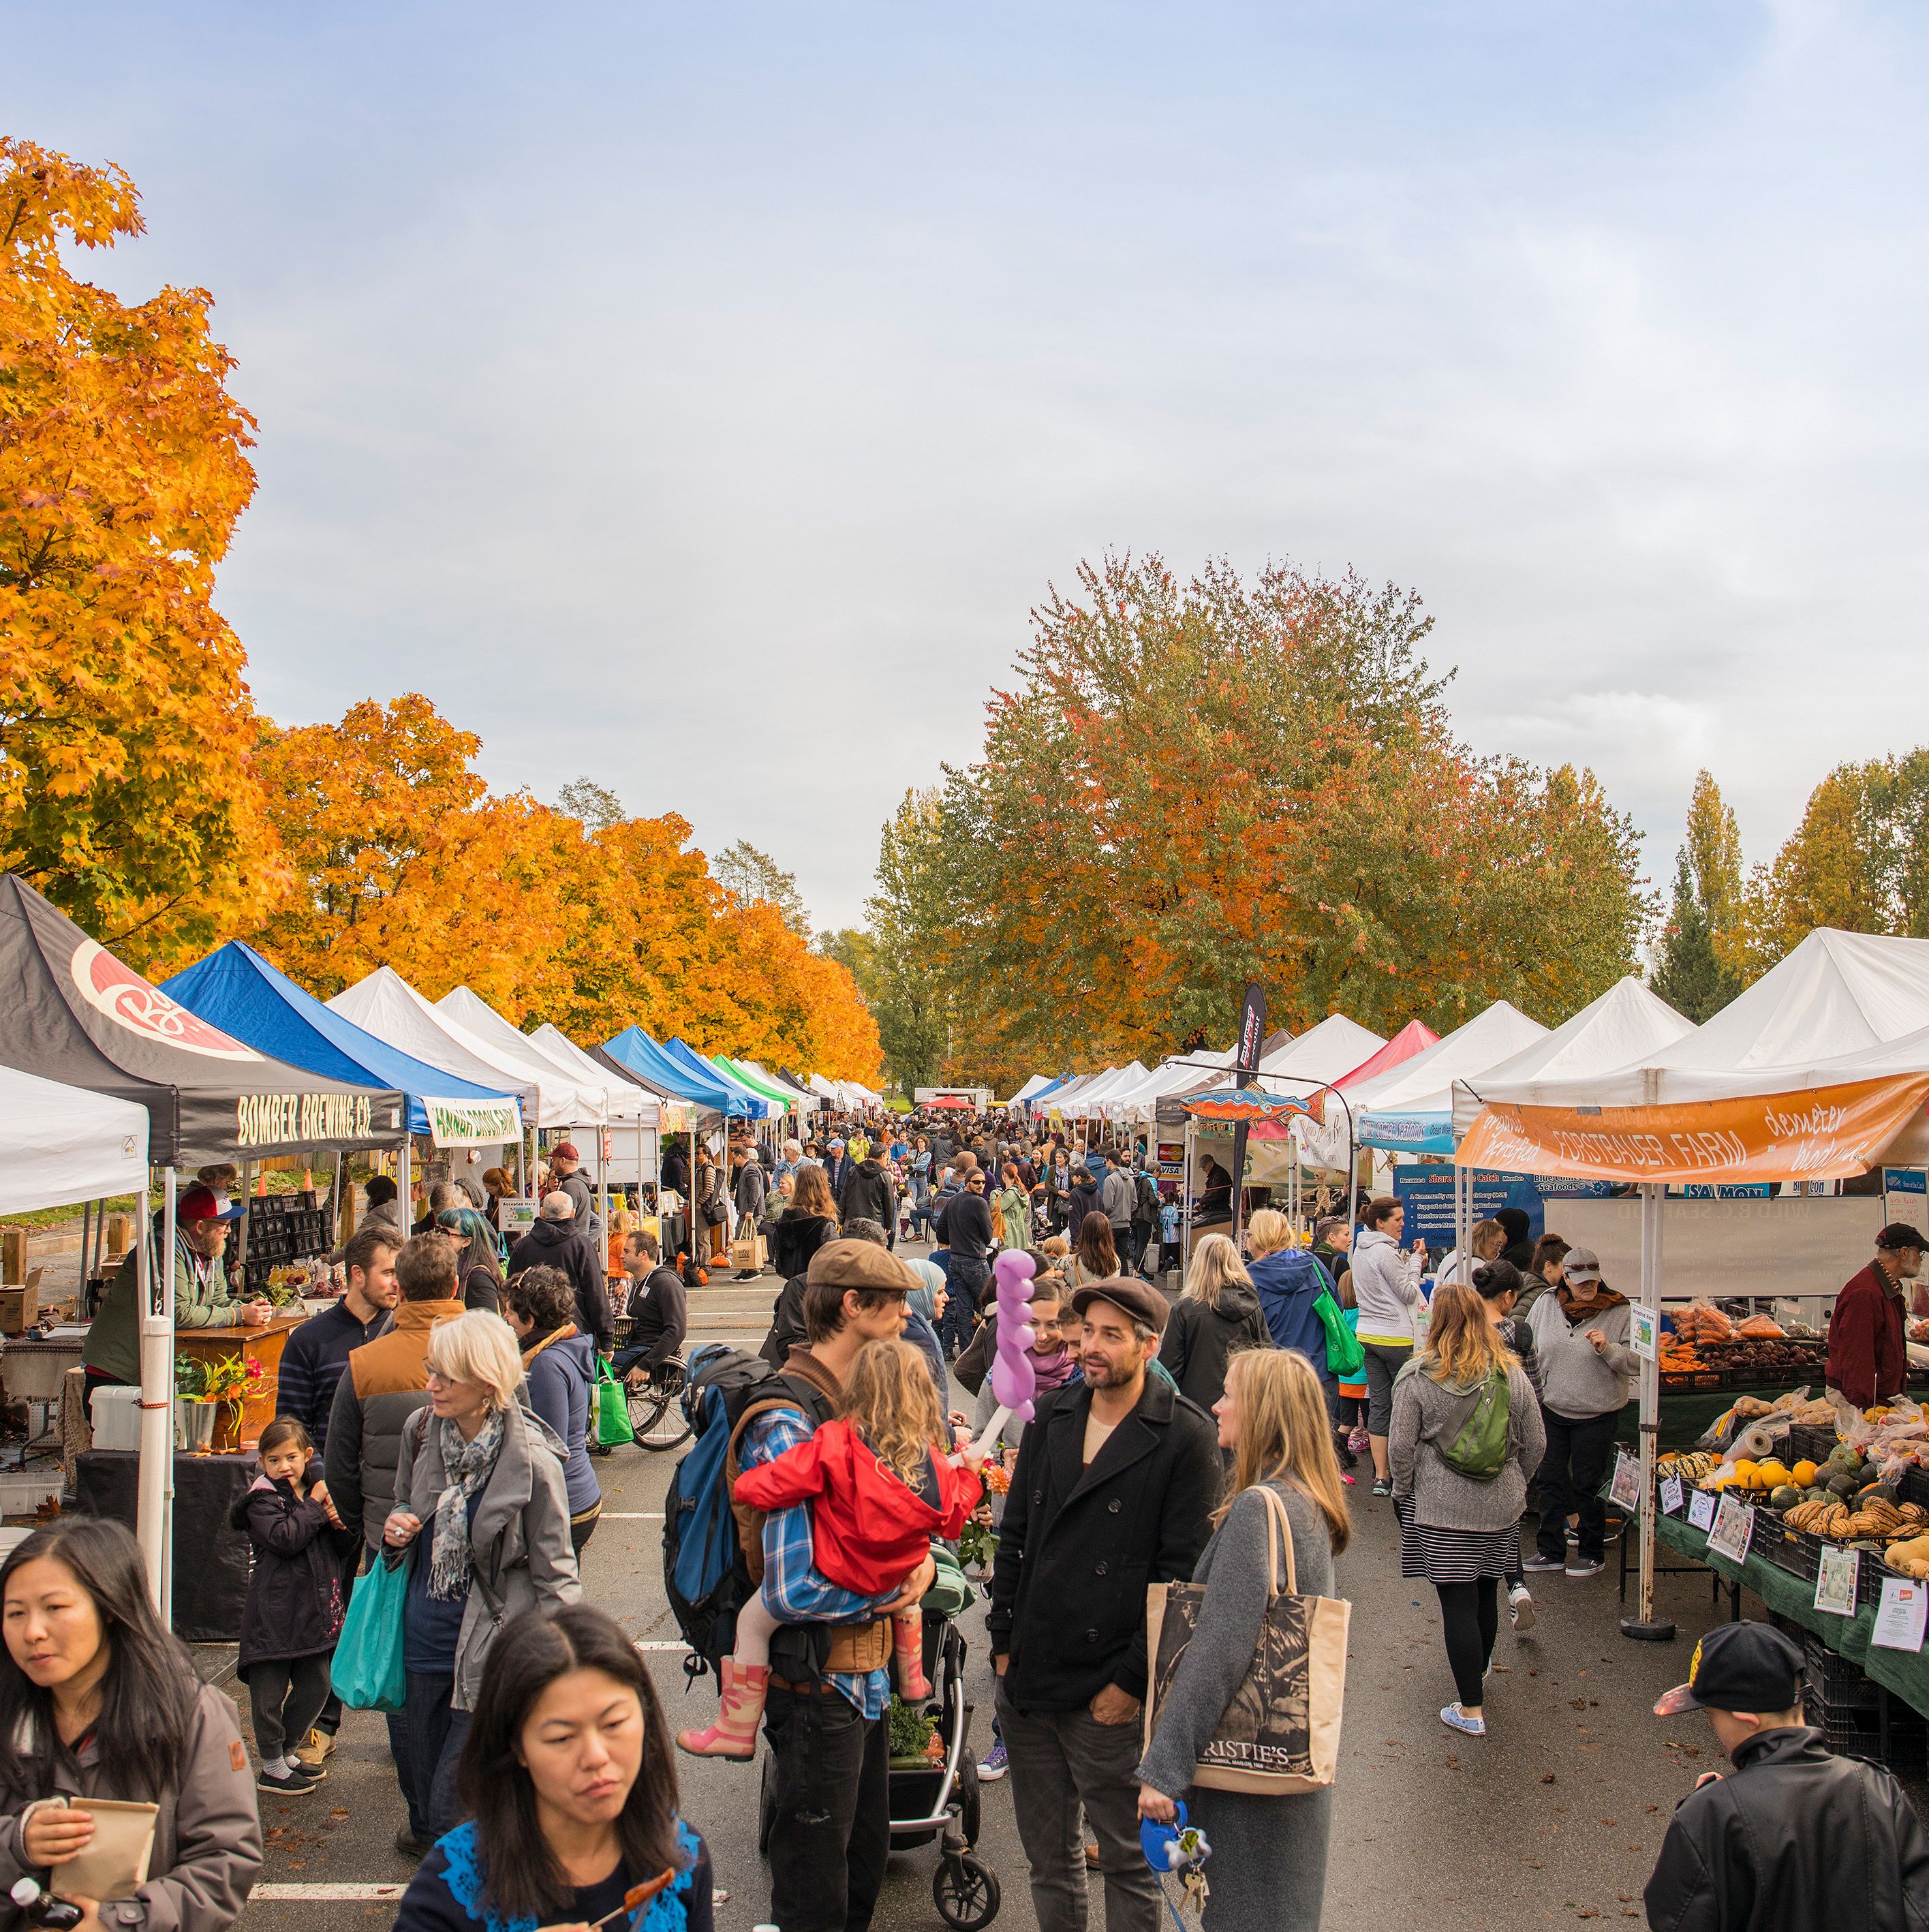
x=1810 y=1442
x=1834 y=1684
x=1796 y=1552
x=1858 y=1734
x=1914 y=1487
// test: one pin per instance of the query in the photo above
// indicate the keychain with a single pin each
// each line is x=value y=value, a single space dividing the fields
x=1177 y=1847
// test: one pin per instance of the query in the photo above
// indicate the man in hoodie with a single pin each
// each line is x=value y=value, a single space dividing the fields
x=565 y=1176
x=1117 y=1198
x=555 y=1241
x=868 y=1195
x=1587 y=1378
x=1519 y=1248
x=748 y=1194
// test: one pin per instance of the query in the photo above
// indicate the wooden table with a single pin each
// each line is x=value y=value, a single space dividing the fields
x=263 y=1345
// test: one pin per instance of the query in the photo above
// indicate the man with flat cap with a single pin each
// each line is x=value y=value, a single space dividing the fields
x=1115 y=1485
x=1866 y=1361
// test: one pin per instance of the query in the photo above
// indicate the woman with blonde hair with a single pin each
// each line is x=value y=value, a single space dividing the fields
x=1218 y=1315
x=1094 y=1258
x=1269 y=1872
x=483 y=1477
x=1459 y=1477
x=806 y=1224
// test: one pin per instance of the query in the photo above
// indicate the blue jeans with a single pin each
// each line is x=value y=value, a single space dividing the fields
x=435 y=1734
x=960 y=1319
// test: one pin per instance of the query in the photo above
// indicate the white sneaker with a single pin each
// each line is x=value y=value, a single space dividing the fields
x=1520 y=1607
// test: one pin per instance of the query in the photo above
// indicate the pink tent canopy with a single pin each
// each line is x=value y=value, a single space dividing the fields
x=1416 y=1036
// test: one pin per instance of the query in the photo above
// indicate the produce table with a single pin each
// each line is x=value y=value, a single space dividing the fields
x=1906 y=1676
x=1685 y=1416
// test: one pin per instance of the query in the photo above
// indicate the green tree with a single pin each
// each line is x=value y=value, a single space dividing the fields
x=903 y=966
x=1688 y=974
x=596 y=805
x=1701 y=961
x=752 y=878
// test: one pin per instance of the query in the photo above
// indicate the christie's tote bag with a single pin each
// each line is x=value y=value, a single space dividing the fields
x=366 y=1673
x=613 y=1423
x=1280 y=1734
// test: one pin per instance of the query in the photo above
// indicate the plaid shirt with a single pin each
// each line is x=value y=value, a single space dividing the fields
x=796 y=1592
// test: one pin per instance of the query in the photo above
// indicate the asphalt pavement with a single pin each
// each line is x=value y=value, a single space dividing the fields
x=1556 y=1816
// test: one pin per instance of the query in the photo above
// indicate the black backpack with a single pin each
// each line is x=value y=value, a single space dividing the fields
x=1145 y=1203
x=705 y=1572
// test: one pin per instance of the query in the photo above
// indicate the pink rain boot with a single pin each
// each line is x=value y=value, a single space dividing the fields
x=907 y=1658
x=734 y=1733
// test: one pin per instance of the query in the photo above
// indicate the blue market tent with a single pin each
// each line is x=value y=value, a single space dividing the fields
x=635 y=1049
x=236 y=989
x=757 y=1104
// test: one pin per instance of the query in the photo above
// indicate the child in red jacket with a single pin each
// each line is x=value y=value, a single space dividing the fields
x=881 y=1486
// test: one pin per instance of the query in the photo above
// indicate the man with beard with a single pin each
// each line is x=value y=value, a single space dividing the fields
x=1116 y=1480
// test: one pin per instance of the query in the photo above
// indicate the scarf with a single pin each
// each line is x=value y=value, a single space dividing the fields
x=1054 y=1370
x=467 y=1465
x=1578 y=1312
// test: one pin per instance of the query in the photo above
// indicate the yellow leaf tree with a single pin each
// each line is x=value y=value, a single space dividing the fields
x=128 y=790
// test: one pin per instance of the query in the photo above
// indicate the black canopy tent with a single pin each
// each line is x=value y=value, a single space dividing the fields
x=75 y=1013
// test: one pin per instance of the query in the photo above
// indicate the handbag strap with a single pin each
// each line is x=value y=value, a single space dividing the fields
x=1278 y=1524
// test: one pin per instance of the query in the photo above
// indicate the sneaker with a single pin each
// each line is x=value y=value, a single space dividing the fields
x=1540 y=1565
x=294 y=1782
x=1382 y=1487
x=1520 y=1607
x=1455 y=1719
x=994 y=1763
x=1357 y=1441
x=1585 y=1566
x=316 y=1746
x=1346 y=1479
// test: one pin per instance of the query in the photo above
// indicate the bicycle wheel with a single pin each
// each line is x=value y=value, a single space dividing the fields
x=656 y=1409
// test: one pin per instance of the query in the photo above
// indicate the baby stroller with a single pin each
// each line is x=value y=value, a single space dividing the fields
x=939 y=1801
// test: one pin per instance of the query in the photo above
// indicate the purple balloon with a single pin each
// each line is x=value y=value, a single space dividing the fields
x=1013 y=1381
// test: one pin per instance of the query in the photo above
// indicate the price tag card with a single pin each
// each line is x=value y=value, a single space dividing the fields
x=1835 y=1580
x=1671 y=1495
x=1734 y=1525
x=1701 y=1509
x=1643 y=1323
x=1899 y=1620
x=1625 y=1490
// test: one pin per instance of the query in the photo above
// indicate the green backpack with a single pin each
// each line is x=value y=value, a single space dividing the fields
x=1479 y=1451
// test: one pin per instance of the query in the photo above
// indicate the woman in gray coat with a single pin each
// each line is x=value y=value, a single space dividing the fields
x=1268 y=1872
x=482 y=1504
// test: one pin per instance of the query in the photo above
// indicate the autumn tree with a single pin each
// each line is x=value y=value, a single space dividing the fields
x=596 y=805
x=127 y=790
x=1202 y=784
x=1701 y=960
x=752 y=878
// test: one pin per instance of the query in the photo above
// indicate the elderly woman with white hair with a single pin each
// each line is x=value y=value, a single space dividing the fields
x=482 y=1512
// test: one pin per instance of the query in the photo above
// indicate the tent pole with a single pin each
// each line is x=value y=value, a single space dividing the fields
x=157 y=1437
x=404 y=1207
x=86 y=1229
x=1643 y=1625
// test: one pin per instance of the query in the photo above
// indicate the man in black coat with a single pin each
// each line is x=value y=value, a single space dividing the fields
x=1794 y=1838
x=566 y=1176
x=837 y=1166
x=658 y=1310
x=555 y=1241
x=869 y=1196
x=1115 y=1484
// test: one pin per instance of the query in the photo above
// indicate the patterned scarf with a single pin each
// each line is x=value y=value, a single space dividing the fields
x=467 y=1465
x=1054 y=1370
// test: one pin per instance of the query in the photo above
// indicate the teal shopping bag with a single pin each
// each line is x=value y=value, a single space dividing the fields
x=367 y=1672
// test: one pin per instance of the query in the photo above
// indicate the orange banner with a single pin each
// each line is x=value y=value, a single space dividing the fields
x=1820 y=1133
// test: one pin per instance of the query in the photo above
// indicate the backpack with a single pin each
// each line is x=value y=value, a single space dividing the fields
x=1145 y=1203
x=706 y=1573
x=1479 y=1451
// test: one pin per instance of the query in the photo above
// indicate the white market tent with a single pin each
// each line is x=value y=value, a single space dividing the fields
x=586 y=1099
x=1627 y=1024
x=59 y=1144
x=1410 y=1107
x=1140 y=1103
x=386 y=1005
x=800 y=1103
x=1034 y=1084
x=629 y=1102
x=1324 y=1053
x=1089 y=1103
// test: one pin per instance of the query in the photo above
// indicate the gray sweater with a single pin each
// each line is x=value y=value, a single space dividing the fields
x=1576 y=1381
x=1426 y=1411
x=1233 y=1569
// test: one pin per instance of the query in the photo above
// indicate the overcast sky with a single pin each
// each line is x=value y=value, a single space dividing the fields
x=697 y=396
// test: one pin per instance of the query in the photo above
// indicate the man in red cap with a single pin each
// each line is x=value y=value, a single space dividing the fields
x=1866 y=1361
x=112 y=1353
x=564 y=1164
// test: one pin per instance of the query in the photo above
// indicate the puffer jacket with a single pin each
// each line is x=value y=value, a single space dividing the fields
x=1198 y=1340
x=295 y=1600
x=519 y=1536
x=207 y=1835
x=869 y=1195
x=386 y=1381
x=1792 y=1840
x=1289 y=1283
x=560 y=1372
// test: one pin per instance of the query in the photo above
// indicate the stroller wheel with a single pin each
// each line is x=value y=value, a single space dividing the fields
x=767 y=1806
x=969 y=1791
x=965 y=1890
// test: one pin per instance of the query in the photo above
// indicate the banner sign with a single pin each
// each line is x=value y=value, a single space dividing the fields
x=1427 y=1193
x=457 y=1123
x=1819 y=1133
x=1251 y=1032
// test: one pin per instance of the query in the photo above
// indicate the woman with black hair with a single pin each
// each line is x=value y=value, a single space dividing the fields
x=570 y=1784
x=98 y=1701
x=559 y=1373
x=478 y=1265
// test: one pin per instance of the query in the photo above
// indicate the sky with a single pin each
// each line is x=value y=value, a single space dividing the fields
x=698 y=398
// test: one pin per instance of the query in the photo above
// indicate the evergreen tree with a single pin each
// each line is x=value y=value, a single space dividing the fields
x=1689 y=975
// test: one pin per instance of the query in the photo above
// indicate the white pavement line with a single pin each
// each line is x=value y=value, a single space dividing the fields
x=679 y=1645
x=345 y=1893
x=630 y=1515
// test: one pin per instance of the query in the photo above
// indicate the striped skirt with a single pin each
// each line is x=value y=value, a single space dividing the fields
x=1453 y=1555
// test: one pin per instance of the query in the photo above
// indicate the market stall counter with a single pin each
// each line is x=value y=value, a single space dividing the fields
x=263 y=1345
x=210 y=1556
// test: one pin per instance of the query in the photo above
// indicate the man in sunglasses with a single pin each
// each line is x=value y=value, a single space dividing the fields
x=963 y=1225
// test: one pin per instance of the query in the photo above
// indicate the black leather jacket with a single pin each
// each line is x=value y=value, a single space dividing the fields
x=1792 y=1840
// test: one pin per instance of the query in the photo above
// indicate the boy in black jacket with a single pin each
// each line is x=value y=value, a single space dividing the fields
x=1794 y=1838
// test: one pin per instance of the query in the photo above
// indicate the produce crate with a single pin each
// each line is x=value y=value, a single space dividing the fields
x=1699 y=1379
x=1797 y=1552
x=1811 y=1442
x=1914 y=1487
x=1830 y=1682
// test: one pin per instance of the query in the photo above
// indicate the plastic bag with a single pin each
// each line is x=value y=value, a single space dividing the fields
x=1702 y=1322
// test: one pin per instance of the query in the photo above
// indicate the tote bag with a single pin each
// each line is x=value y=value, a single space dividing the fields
x=613 y=1422
x=1280 y=1735
x=1346 y=1353
x=367 y=1672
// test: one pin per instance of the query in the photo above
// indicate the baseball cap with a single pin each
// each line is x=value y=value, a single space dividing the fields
x=565 y=1150
x=1581 y=1264
x=1138 y=1299
x=1899 y=1234
x=1743 y=1667
x=208 y=1204
x=836 y=1140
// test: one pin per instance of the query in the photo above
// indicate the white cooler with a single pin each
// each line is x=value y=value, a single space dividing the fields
x=116 y=1416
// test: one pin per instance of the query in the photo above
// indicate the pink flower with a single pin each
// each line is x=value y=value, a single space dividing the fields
x=253 y=1369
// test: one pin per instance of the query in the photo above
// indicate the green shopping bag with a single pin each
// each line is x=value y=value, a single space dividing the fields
x=613 y=1425
x=1345 y=1353
x=367 y=1672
